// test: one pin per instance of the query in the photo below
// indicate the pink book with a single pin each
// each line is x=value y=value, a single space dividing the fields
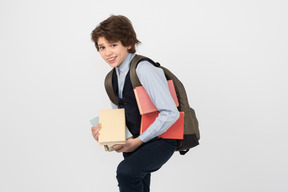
x=174 y=132
x=144 y=102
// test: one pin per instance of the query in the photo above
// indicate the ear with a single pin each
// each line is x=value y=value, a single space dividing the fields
x=129 y=47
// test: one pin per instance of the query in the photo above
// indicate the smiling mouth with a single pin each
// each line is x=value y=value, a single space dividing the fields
x=111 y=60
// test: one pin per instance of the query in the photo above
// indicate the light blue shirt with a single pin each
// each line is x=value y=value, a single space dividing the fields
x=154 y=81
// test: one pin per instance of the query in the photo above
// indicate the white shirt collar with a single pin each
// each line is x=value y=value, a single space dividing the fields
x=124 y=67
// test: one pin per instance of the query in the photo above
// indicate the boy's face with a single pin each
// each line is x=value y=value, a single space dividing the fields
x=113 y=53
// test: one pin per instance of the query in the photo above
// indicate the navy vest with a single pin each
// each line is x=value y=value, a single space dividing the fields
x=128 y=101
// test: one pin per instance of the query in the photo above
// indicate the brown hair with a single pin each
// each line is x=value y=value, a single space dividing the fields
x=116 y=28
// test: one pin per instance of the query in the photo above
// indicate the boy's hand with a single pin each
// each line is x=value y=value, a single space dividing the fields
x=130 y=145
x=95 y=131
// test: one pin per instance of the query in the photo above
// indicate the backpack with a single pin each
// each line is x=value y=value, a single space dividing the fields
x=191 y=128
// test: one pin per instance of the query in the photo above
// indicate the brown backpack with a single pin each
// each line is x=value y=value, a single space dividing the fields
x=191 y=128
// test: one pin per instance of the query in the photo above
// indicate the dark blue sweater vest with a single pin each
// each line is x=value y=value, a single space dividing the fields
x=128 y=101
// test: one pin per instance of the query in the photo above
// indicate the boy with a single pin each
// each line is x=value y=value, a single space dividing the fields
x=115 y=40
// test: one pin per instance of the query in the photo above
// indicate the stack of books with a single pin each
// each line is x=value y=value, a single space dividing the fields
x=114 y=130
x=149 y=112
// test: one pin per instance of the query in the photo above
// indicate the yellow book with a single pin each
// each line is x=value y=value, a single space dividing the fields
x=113 y=127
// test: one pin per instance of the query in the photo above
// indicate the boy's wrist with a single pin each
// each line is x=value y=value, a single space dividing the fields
x=138 y=141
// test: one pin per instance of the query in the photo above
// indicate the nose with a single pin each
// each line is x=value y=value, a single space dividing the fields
x=108 y=51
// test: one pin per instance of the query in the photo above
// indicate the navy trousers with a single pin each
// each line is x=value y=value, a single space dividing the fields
x=134 y=172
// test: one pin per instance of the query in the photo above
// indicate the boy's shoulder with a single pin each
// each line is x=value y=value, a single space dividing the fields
x=145 y=66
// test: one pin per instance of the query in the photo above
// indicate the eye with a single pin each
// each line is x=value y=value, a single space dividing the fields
x=101 y=47
x=113 y=45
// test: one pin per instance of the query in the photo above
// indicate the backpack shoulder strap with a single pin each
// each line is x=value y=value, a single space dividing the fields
x=109 y=87
x=133 y=75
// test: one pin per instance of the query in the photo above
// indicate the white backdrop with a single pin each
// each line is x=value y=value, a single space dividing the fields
x=230 y=55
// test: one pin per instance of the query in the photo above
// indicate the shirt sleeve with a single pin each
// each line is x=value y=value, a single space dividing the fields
x=154 y=81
